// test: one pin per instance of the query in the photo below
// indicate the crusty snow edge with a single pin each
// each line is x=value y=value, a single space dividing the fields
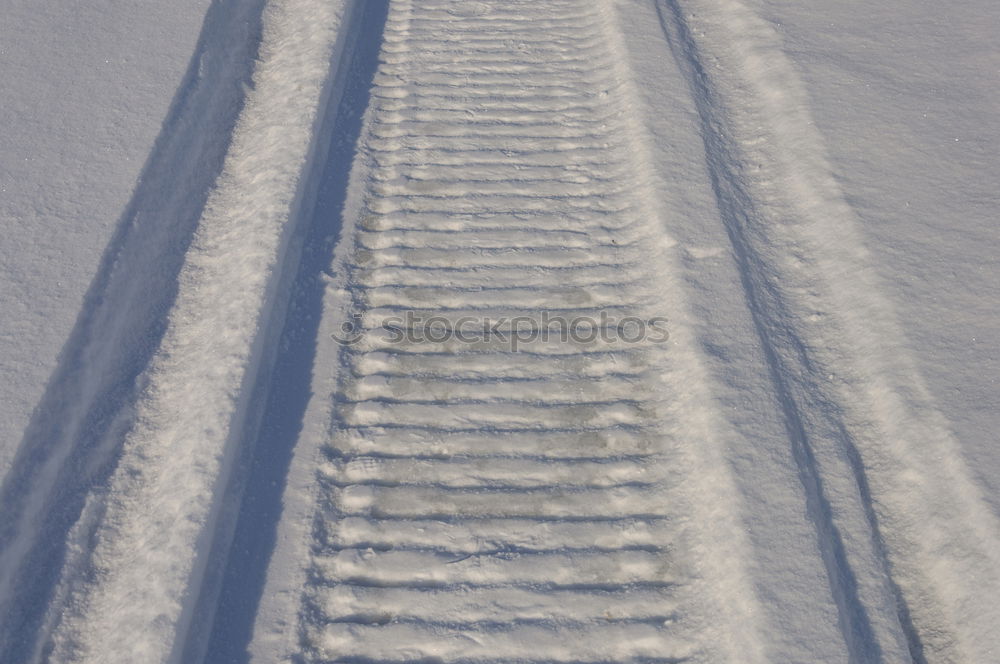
x=160 y=503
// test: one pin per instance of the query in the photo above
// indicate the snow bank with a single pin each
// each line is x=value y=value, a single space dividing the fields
x=131 y=593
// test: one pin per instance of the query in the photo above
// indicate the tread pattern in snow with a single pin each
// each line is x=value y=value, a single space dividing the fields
x=478 y=503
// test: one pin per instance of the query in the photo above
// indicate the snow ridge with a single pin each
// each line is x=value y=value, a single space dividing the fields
x=72 y=443
x=158 y=515
x=911 y=544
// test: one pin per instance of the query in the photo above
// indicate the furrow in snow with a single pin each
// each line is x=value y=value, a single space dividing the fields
x=911 y=549
x=139 y=552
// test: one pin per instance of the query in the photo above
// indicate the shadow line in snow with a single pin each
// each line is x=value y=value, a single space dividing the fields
x=72 y=443
x=808 y=415
x=240 y=563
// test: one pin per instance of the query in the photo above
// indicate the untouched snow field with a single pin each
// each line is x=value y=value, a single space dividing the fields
x=499 y=331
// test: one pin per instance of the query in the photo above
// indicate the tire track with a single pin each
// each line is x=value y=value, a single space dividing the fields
x=468 y=485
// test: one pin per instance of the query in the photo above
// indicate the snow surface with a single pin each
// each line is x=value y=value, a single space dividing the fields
x=194 y=469
x=907 y=101
x=86 y=87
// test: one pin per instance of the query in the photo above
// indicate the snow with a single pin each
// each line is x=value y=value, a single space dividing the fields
x=81 y=120
x=907 y=101
x=194 y=468
x=190 y=412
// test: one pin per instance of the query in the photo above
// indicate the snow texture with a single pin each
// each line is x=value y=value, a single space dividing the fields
x=248 y=449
